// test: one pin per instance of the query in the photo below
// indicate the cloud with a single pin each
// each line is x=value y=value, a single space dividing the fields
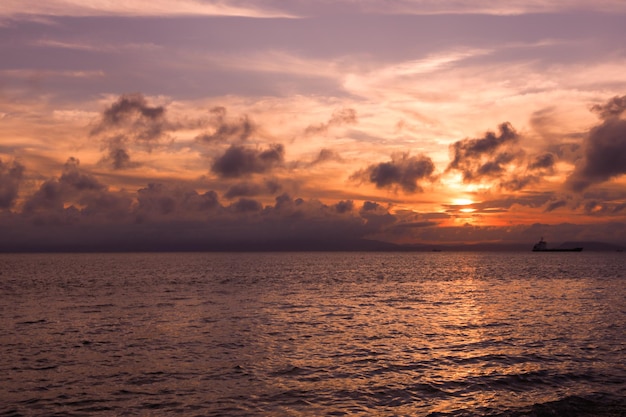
x=132 y=112
x=604 y=150
x=73 y=177
x=544 y=161
x=129 y=121
x=118 y=156
x=403 y=170
x=344 y=206
x=326 y=155
x=239 y=161
x=338 y=118
x=225 y=130
x=615 y=107
x=10 y=178
x=16 y=8
x=74 y=186
x=483 y=157
x=555 y=205
x=247 y=189
x=157 y=202
x=246 y=205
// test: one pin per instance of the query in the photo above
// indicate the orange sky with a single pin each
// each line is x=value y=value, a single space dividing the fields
x=249 y=122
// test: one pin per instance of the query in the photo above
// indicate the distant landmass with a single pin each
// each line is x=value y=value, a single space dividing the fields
x=289 y=245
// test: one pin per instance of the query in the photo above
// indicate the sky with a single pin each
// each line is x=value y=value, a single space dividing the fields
x=240 y=124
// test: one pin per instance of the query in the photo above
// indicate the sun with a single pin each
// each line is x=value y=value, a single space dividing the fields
x=462 y=201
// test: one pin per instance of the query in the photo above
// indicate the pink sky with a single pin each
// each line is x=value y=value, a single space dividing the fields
x=238 y=123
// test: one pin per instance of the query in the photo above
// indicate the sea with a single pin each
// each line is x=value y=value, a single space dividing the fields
x=313 y=334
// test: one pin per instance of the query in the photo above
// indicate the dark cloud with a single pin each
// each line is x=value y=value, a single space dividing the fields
x=75 y=186
x=338 y=118
x=604 y=151
x=160 y=201
x=247 y=189
x=413 y=225
x=555 y=205
x=243 y=190
x=77 y=179
x=403 y=170
x=246 y=205
x=486 y=156
x=118 y=156
x=132 y=113
x=326 y=155
x=10 y=178
x=344 y=206
x=129 y=121
x=545 y=161
x=239 y=161
x=227 y=130
x=615 y=107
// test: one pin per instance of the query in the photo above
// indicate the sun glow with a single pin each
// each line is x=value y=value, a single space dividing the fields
x=462 y=202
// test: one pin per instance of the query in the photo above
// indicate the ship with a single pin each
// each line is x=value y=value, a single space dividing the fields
x=542 y=246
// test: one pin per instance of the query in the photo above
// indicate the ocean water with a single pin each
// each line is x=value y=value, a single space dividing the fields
x=313 y=334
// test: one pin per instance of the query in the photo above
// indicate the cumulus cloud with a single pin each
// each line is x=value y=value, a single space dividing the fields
x=10 y=178
x=132 y=111
x=344 y=206
x=158 y=201
x=73 y=184
x=225 y=130
x=501 y=158
x=484 y=157
x=615 y=107
x=239 y=161
x=403 y=170
x=129 y=121
x=340 y=117
x=118 y=156
x=604 y=150
x=75 y=178
x=246 y=205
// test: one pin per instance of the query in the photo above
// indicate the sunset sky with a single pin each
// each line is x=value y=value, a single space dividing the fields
x=196 y=123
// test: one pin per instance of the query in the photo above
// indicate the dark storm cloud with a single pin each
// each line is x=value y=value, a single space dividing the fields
x=604 y=151
x=403 y=170
x=486 y=156
x=239 y=161
x=225 y=130
x=338 y=118
x=10 y=178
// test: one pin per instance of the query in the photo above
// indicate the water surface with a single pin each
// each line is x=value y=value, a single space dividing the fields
x=309 y=334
